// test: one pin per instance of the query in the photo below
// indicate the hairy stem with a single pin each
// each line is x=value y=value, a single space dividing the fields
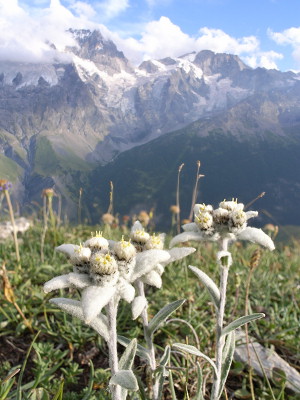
x=220 y=340
x=112 y=346
x=148 y=339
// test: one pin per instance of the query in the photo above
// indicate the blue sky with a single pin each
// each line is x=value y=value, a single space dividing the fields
x=263 y=33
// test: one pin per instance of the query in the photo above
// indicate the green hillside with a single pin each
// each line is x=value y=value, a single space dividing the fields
x=146 y=176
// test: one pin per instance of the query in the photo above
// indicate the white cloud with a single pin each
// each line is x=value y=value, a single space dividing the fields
x=24 y=34
x=290 y=37
x=263 y=59
x=112 y=8
x=163 y=38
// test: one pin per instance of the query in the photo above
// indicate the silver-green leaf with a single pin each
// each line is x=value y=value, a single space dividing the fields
x=162 y=371
x=241 y=321
x=199 y=395
x=141 y=351
x=126 y=361
x=186 y=348
x=126 y=379
x=227 y=357
x=208 y=283
x=162 y=315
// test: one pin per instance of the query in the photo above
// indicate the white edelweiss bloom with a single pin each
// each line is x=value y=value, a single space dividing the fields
x=80 y=255
x=93 y=299
x=125 y=290
x=97 y=243
x=224 y=258
x=221 y=216
x=73 y=307
x=256 y=235
x=138 y=305
x=104 y=269
x=155 y=242
x=139 y=236
x=237 y=220
x=231 y=205
x=199 y=208
x=124 y=250
x=72 y=279
x=204 y=220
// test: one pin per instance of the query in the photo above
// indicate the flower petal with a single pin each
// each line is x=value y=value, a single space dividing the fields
x=73 y=307
x=152 y=279
x=137 y=226
x=177 y=253
x=126 y=290
x=94 y=298
x=185 y=237
x=79 y=280
x=147 y=260
x=256 y=235
x=59 y=282
x=67 y=249
x=251 y=214
x=190 y=227
x=138 y=305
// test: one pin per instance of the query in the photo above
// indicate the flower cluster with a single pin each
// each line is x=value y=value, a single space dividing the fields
x=103 y=269
x=228 y=221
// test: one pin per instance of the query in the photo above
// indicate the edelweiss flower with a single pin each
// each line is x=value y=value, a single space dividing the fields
x=149 y=261
x=102 y=275
x=228 y=221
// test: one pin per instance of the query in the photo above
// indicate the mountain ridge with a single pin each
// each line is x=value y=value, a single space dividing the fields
x=95 y=105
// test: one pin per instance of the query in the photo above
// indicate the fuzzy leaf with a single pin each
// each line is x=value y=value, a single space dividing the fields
x=73 y=307
x=126 y=379
x=59 y=282
x=162 y=315
x=67 y=249
x=138 y=305
x=94 y=298
x=256 y=235
x=162 y=371
x=185 y=237
x=126 y=361
x=147 y=260
x=208 y=283
x=126 y=290
x=152 y=278
x=227 y=357
x=195 y=352
x=199 y=395
x=141 y=351
x=177 y=253
x=241 y=321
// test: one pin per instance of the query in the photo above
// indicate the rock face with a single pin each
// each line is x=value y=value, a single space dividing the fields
x=57 y=120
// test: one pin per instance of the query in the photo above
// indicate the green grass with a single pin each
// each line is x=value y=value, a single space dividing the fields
x=58 y=361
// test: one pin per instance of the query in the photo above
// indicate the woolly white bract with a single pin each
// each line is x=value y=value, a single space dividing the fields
x=103 y=274
x=228 y=221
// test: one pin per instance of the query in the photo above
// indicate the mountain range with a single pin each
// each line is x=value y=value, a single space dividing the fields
x=90 y=117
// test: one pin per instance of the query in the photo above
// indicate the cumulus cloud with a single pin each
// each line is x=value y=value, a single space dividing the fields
x=112 y=8
x=162 y=38
x=26 y=35
x=290 y=37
